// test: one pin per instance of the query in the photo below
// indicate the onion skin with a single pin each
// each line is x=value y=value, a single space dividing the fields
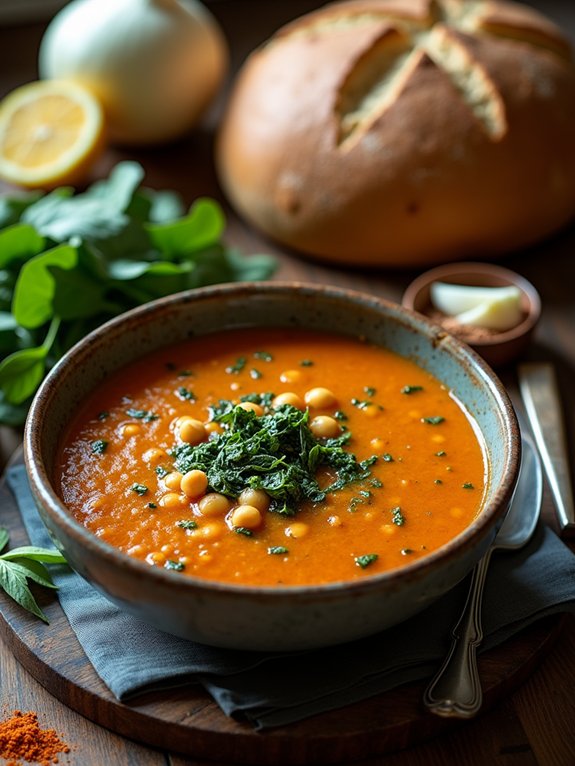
x=155 y=65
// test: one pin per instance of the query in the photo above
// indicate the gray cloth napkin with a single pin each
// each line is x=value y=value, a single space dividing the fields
x=270 y=689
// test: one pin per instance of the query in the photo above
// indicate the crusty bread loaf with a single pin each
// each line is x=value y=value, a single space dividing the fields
x=405 y=132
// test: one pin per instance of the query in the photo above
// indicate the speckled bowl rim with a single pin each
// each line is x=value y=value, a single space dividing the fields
x=490 y=514
x=439 y=273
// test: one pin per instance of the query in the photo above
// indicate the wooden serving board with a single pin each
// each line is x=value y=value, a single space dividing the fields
x=186 y=720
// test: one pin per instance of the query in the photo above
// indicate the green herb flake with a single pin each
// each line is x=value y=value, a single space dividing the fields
x=237 y=367
x=187 y=524
x=145 y=415
x=376 y=483
x=397 y=516
x=411 y=389
x=387 y=458
x=103 y=415
x=185 y=374
x=406 y=551
x=366 y=560
x=441 y=453
x=243 y=531
x=307 y=363
x=341 y=416
x=139 y=489
x=433 y=421
x=277 y=550
x=361 y=404
x=185 y=394
x=99 y=446
x=437 y=481
x=370 y=391
x=176 y=566
x=264 y=356
x=255 y=374
x=467 y=485
x=161 y=471
x=152 y=506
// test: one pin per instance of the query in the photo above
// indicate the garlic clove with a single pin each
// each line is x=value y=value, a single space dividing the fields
x=500 y=312
x=455 y=299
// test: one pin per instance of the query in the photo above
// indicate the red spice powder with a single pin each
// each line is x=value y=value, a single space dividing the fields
x=22 y=739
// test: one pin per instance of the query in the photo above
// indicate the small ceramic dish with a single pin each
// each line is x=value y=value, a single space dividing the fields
x=498 y=348
x=271 y=617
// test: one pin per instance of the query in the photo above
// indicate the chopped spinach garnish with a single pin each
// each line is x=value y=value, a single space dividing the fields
x=161 y=471
x=339 y=415
x=361 y=404
x=467 y=485
x=139 y=489
x=263 y=355
x=306 y=363
x=411 y=389
x=144 y=415
x=103 y=415
x=185 y=394
x=365 y=560
x=441 y=453
x=406 y=551
x=433 y=421
x=387 y=458
x=277 y=550
x=176 y=566
x=370 y=390
x=99 y=446
x=437 y=481
x=255 y=374
x=375 y=482
x=237 y=367
x=276 y=452
x=264 y=400
x=397 y=516
x=185 y=374
x=243 y=531
x=152 y=506
x=187 y=524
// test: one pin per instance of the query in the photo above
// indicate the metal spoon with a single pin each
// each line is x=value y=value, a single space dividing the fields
x=455 y=690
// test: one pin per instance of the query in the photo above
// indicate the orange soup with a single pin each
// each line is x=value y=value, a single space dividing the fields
x=266 y=457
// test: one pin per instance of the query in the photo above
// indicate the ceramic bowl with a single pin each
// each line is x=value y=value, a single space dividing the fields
x=500 y=348
x=270 y=618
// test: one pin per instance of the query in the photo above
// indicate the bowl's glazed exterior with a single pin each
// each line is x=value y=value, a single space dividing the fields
x=266 y=618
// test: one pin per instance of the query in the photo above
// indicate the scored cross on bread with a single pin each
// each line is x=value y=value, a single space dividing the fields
x=401 y=132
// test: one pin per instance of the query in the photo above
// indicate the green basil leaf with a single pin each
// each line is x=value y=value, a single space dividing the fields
x=48 y=555
x=33 y=570
x=16 y=586
x=21 y=373
x=18 y=242
x=117 y=191
x=35 y=288
x=165 y=206
x=202 y=227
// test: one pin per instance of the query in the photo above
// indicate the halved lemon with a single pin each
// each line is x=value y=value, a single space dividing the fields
x=51 y=132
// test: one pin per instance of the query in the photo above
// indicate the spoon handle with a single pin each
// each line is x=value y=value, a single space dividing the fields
x=455 y=690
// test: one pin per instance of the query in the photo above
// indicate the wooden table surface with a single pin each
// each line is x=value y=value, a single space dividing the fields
x=536 y=724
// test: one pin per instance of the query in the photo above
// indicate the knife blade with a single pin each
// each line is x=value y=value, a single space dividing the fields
x=540 y=394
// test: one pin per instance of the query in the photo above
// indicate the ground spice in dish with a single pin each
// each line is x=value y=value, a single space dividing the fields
x=466 y=332
x=22 y=740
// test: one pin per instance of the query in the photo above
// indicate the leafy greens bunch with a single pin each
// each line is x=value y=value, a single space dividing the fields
x=69 y=262
x=276 y=452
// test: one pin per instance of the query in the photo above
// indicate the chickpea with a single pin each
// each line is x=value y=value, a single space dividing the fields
x=194 y=483
x=154 y=456
x=171 y=500
x=297 y=529
x=191 y=431
x=256 y=497
x=213 y=428
x=289 y=397
x=214 y=504
x=320 y=398
x=131 y=429
x=173 y=480
x=252 y=407
x=324 y=427
x=247 y=516
x=291 y=376
x=377 y=443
